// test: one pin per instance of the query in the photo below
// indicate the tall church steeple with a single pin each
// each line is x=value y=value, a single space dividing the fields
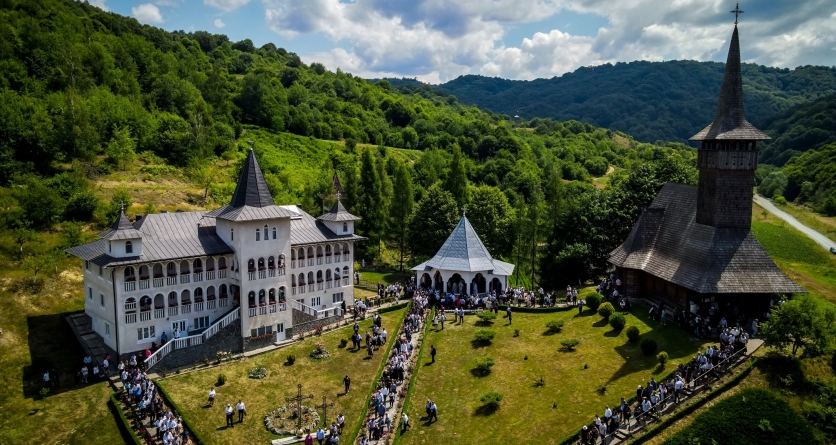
x=728 y=156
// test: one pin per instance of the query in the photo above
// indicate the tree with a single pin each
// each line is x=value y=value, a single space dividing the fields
x=72 y=234
x=773 y=185
x=42 y=261
x=456 y=182
x=121 y=149
x=204 y=174
x=401 y=208
x=370 y=200
x=492 y=217
x=801 y=323
x=23 y=235
x=431 y=222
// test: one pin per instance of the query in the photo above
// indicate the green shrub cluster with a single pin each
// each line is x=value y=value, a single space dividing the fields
x=486 y=317
x=570 y=344
x=484 y=335
x=605 y=310
x=617 y=321
x=633 y=334
x=594 y=300
x=291 y=359
x=221 y=380
x=484 y=364
x=555 y=326
x=491 y=399
x=663 y=358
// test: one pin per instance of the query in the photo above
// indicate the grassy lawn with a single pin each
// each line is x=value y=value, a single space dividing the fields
x=545 y=414
x=36 y=337
x=826 y=225
x=318 y=377
x=384 y=277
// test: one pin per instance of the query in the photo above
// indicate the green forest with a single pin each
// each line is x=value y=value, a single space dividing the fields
x=88 y=94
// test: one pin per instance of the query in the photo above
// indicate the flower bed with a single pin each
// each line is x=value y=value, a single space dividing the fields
x=320 y=352
x=283 y=421
x=257 y=373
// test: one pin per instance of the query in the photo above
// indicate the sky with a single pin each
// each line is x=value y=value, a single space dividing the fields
x=438 y=40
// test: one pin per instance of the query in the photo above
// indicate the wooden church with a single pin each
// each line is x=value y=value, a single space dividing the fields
x=693 y=245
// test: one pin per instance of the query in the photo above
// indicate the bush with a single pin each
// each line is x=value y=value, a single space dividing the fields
x=605 y=310
x=343 y=342
x=291 y=359
x=571 y=344
x=648 y=346
x=617 y=321
x=594 y=300
x=663 y=358
x=486 y=317
x=491 y=399
x=555 y=326
x=484 y=335
x=633 y=334
x=221 y=380
x=780 y=200
x=484 y=364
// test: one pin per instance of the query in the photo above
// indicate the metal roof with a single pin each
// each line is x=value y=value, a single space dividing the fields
x=305 y=229
x=729 y=118
x=249 y=213
x=121 y=229
x=251 y=189
x=668 y=243
x=338 y=213
x=464 y=251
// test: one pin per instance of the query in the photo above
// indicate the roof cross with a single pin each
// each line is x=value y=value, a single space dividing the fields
x=122 y=206
x=736 y=11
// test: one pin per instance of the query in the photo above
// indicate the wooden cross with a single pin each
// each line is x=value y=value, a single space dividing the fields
x=736 y=11
x=122 y=206
x=324 y=407
x=298 y=399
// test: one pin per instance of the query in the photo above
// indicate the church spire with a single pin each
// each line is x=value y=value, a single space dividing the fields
x=251 y=189
x=729 y=118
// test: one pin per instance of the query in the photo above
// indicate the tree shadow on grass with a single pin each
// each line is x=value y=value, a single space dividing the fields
x=484 y=323
x=586 y=313
x=477 y=344
x=549 y=332
x=600 y=323
x=485 y=410
x=476 y=372
x=613 y=333
x=52 y=344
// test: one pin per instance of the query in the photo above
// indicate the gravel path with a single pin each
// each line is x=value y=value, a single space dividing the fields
x=820 y=239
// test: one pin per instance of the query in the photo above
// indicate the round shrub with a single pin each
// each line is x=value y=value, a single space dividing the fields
x=617 y=321
x=663 y=358
x=570 y=344
x=221 y=380
x=486 y=317
x=491 y=399
x=594 y=300
x=605 y=310
x=484 y=335
x=484 y=364
x=648 y=346
x=633 y=334
x=291 y=359
x=555 y=326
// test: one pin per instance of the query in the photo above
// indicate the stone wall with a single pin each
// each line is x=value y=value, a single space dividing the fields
x=304 y=327
x=228 y=339
x=249 y=343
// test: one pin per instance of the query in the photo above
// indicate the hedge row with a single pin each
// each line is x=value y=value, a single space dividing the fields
x=537 y=310
x=125 y=426
x=368 y=397
x=394 y=307
x=196 y=438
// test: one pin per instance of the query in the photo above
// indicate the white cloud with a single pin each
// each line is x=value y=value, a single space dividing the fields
x=219 y=23
x=436 y=40
x=99 y=4
x=147 y=13
x=226 y=5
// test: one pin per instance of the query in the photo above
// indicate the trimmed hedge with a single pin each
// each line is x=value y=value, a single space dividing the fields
x=606 y=310
x=594 y=300
x=394 y=307
x=617 y=321
x=535 y=310
x=196 y=437
x=125 y=424
x=633 y=334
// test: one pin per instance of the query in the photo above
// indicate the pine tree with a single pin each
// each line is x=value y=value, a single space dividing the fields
x=370 y=199
x=456 y=182
x=401 y=208
x=432 y=221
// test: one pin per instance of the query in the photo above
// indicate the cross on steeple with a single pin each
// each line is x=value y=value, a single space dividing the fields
x=324 y=407
x=464 y=210
x=736 y=11
x=298 y=399
x=122 y=206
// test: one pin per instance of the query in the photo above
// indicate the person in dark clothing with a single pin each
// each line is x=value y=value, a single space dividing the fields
x=432 y=353
x=508 y=311
x=347 y=383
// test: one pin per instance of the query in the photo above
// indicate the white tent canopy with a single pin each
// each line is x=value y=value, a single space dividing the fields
x=463 y=265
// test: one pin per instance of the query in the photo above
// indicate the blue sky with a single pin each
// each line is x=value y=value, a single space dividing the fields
x=438 y=40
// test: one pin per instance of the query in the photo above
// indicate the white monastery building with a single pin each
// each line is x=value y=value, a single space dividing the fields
x=196 y=272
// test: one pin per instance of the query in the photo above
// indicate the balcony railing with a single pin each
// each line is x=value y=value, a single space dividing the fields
x=198 y=307
x=271 y=273
x=198 y=276
x=311 y=287
x=319 y=261
x=130 y=306
x=282 y=271
x=336 y=282
x=319 y=286
x=172 y=311
x=262 y=274
x=292 y=290
x=210 y=274
x=223 y=302
x=158 y=282
x=282 y=306
x=159 y=313
x=171 y=280
x=251 y=275
x=272 y=307
x=310 y=261
x=301 y=288
x=253 y=311
x=184 y=279
x=337 y=258
x=328 y=284
x=262 y=310
x=211 y=304
x=222 y=273
x=186 y=309
x=345 y=281
x=130 y=285
x=145 y=316
x=144 y=284
x=130 y=318
x=292 y=264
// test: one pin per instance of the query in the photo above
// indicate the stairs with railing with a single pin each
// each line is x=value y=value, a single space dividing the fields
x=192 y=340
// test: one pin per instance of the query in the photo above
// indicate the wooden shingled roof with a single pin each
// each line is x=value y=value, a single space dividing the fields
x=668 y=243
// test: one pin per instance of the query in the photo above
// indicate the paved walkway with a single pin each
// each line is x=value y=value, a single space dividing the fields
x=820 y=239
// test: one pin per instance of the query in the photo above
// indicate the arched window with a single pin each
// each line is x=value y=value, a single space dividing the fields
x=262 y=300
x=310 y=277
x=110 y=246
x=198 y=265
x=292 y=255
x=266 y=233
x=143 y=272
x=345 y=227
x=129 y=248
x=328 y=250
x=129 y=274
x=293 y=280
x=251 y=299
x=328 y=275
x=345 y=272
x=310 y=252
x=184 y=267
x=281 y=261
x=145 y=303
x=198 y=295
x=210 y=263
x=258 y=234
x=158 y=271
x=185 y=297
x=159 y=301
x=337 y=273
x=274 y=233
x=271 y=296
x=222 y=291
x=171 y=269
x=130 y=304
x=302 y=254
x=210 y=293
x=282 y=293
x=232 y=234
x=251 y=265
x=172 y=298
x=301 y=279
x=222 y=263
x=345 y=249
x=318 y=251
x=261 y=264
x=271 y=263
x=319 y=276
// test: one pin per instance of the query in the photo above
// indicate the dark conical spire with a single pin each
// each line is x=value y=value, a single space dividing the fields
x=121 y=229
x=729 y=118
x=251 y=189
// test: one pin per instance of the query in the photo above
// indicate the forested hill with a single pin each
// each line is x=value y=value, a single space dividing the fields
x=799 y=129
x=648 y=100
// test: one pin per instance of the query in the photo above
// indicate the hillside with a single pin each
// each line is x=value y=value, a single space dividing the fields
x=648 y=100
x=804 y=127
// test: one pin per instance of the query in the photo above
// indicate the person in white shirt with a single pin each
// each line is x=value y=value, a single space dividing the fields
x=241 y=411
x=212 y=397
x=228 y=411
x=607 y=414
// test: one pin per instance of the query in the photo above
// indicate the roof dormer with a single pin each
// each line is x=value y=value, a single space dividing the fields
x=123 y=239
